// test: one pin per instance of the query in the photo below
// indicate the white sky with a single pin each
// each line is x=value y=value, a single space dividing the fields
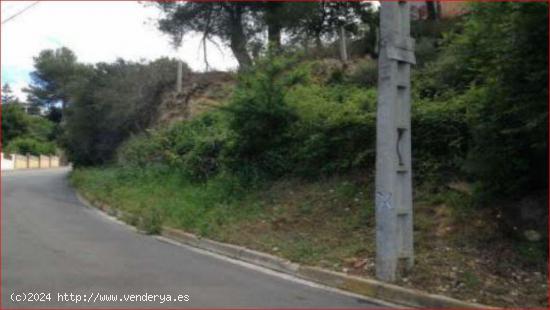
x=95 y=31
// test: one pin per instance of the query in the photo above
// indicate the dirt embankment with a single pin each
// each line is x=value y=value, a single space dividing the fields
x=200 y=92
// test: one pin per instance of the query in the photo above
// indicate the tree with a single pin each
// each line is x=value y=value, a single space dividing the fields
x=239 y=24
x=433 y=8
x=275 y=16
x=54 y=114
x=56 y=73
x=114 y=101
x=15 y=122
x=225 y=20
x=323 y=19
x=7 y=95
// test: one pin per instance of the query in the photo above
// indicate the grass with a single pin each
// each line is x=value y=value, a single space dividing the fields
x=330 y=223
x=163 y=197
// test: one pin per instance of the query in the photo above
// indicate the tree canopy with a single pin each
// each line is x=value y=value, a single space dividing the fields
x=240 y=24
x=7 y=95
x=56 y=73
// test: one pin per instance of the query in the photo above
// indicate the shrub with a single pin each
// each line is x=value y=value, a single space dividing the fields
x=150 y=219
x=141 y=150
x=15 y=122
x=365 y=74
x=440 y=137
x=192 y=147
x=28 y=145
x=505 y=93
x=335 y=128
x=195 y=146
x=508 y=121
x=259 y=119
x=41 y=128
x=285 y=119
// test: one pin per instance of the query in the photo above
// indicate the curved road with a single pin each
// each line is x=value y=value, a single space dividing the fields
x=51 y=243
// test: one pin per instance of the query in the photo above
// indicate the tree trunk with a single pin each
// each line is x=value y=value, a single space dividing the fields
x=343 y=45
x=432 y=10
x=238 y=39
x=274 y=35
x=318 y=42
x=273 y=16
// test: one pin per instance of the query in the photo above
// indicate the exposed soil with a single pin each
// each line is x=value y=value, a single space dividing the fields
x=200 y=92
x=458 y=254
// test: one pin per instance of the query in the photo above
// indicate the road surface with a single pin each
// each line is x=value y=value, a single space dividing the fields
x=52 y=244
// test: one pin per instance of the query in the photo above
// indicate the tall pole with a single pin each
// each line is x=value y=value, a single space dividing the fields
x=179 y=76
x=343 y=45
x=394 y=214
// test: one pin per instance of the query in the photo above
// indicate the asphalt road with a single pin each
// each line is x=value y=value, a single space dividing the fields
x=52 y=244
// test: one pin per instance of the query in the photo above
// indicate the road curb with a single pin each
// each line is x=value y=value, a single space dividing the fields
x=233 y=251
x=383 y=291
x=367 y=287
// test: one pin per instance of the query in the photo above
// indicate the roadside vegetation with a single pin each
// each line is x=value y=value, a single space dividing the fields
x=26 y=133
x=285 y=164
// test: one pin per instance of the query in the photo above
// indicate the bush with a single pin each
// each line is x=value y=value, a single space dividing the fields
x=28 y=145
x=191 y=147
x=440 y=137
x=142 y=150
x=15 y=122
x=504 y=113
x=259 y=119
x=365 y=74
x=41 y=128
x=195 y=147
x=508 y=118
x=150 y=219
x=335 y=130
x=285 y=120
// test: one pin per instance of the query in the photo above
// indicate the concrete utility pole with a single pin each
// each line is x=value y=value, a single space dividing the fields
x=394 y=215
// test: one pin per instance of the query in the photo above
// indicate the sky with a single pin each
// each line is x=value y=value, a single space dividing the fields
x=96 y=31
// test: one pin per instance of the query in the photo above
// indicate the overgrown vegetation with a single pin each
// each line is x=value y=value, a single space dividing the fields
x=102 y=104
x=494 y=69
x=330 y=223
x=26 y=134
x=154 y=196
x=479 y=125
x=478 y=116
x=280 y=121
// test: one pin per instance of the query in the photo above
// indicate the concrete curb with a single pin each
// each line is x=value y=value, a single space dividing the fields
x=382 y=290
x=233 y=251
x=367 y=287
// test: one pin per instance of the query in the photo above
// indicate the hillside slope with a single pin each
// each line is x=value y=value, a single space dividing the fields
x=200 y=92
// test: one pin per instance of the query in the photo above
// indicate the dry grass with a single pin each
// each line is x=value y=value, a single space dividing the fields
x=331 y=224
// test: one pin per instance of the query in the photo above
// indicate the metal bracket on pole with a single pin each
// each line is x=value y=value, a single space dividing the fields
x=394 y=214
